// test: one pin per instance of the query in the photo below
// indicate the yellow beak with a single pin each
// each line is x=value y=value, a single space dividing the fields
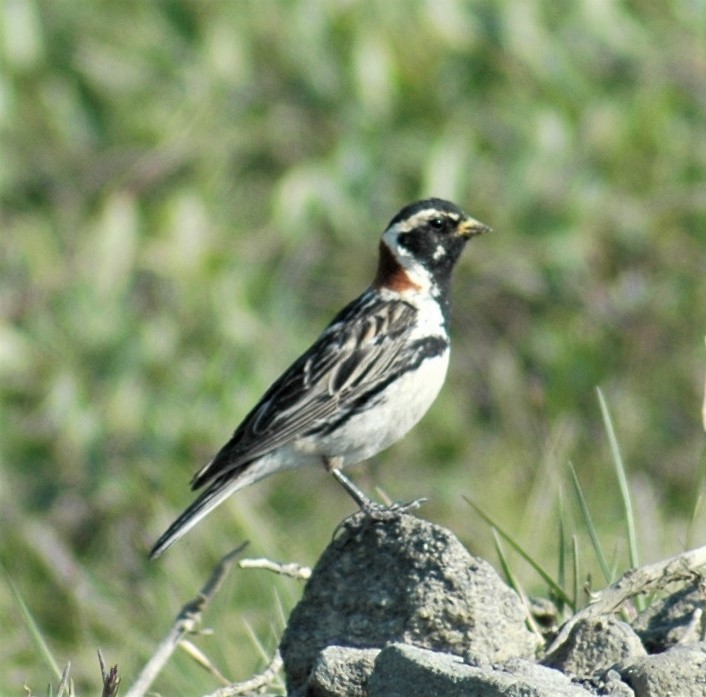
x=470 y=227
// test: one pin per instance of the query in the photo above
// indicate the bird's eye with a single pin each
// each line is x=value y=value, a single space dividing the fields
x=437 y=223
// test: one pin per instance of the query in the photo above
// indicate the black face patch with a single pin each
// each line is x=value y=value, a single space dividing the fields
x=434 y=247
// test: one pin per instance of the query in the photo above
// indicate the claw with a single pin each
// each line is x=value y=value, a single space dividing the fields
x=366 y=504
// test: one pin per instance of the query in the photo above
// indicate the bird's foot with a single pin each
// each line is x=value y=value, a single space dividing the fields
x=382 y=511
x=372 y=509
x=372 y=512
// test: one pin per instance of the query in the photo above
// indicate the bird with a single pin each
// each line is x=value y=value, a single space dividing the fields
x=365 y=382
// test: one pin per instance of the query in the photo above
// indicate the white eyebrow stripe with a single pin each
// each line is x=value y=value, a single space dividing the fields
x=422 y=217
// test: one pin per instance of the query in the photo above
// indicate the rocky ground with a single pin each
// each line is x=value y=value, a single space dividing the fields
x=397 y=606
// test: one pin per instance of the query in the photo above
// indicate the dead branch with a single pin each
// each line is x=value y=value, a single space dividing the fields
x=644 y=580
x=292 y=569
x=186 y=622
x=253 y=684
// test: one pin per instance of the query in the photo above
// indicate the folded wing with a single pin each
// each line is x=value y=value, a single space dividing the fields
x=348 y=360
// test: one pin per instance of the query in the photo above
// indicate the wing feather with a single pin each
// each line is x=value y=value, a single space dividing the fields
x=353 y=353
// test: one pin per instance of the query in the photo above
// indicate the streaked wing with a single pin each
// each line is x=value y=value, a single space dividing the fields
x=352 y=354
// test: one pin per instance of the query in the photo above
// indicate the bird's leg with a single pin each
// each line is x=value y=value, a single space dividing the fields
x=333 y=465
x=366 y=504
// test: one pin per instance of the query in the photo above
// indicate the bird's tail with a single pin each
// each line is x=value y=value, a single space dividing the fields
x=219 y=490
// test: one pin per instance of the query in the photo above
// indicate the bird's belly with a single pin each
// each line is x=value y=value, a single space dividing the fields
x=387 y=419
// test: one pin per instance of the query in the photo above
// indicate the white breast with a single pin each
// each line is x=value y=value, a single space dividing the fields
x=396 y=411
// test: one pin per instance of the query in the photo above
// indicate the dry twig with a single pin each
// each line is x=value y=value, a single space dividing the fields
x=111 y=678
x=646 y=579
x=186 y=622
x=203 y=660
x=254 y=684
x=292 y=569
x=66 y=684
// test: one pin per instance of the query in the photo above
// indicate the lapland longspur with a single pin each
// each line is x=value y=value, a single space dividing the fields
x=365 y=382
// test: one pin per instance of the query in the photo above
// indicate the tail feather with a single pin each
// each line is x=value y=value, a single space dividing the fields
x=215 y=494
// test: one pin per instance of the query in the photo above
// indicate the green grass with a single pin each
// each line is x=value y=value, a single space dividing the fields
x=188 y=192
x=563 y=588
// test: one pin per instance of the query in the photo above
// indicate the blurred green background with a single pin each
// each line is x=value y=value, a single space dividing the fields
x=190 y=190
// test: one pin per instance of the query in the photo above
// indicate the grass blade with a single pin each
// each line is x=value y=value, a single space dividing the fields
x=553 y=586
x=590 y=527
x=561 y=570
x=505 y=562
x=620 y=472
x=514 y=583
x=34 y=631
x=698 y=503
x=577 y=568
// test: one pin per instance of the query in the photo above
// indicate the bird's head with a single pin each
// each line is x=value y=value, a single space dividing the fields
x=421 y=245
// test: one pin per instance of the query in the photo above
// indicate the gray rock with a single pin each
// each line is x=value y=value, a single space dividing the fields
x=679 y=672
x=408 y=671
x=341 y=672
x=669 y=620
x=612 y=685
x=402 y=579
x=595 y=645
